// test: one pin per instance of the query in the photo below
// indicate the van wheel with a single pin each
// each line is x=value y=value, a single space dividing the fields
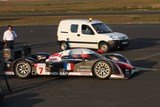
x=23 y=69
x=64 y=46
x=104 y=47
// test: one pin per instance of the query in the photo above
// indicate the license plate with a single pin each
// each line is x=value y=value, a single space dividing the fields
x=124 y=43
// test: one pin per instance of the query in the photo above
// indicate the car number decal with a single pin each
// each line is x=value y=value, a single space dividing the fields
x=40 y=68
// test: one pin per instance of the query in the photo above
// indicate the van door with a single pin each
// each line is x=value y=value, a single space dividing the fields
x=73 y=36
x=83 y=38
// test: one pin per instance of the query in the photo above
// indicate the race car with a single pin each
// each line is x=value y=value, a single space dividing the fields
x=73 y=62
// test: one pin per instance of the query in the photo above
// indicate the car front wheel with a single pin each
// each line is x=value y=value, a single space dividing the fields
x=102 y=70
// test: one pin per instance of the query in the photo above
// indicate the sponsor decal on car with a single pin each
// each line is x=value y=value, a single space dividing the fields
x=83 y=68
x=80 y=74
x=63 y=73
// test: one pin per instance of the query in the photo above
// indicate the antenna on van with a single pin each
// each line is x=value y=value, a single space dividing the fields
x=90 y=19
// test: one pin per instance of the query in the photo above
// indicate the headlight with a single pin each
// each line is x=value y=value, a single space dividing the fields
x=113 y=38
x=123 y=38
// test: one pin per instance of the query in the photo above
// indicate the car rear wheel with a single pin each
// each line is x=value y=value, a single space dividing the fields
x=102 y=70
x=104 y=47
x=64 y=46
x=22 y=69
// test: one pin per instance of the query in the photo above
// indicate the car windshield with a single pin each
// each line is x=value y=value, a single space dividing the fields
x=101 y=28
x=96 y=56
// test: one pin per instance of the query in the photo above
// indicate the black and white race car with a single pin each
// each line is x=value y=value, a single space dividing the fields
x=73 y=62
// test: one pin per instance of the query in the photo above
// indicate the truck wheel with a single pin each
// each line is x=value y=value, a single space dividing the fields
x=104 y=47
x=102 y=70
x=64 y=46
x=22 y=69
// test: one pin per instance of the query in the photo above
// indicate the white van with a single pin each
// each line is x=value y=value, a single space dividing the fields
x=93 y=34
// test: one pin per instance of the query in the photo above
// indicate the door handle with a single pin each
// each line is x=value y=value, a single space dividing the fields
x=78 y=34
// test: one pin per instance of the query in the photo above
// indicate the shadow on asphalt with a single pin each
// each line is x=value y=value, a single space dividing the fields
x=23 y=100
x=39 y=85
x=23 y=95
x=143 y=64
x=140 y=43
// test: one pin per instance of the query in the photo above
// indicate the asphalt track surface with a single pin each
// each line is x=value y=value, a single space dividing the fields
x=142 y=90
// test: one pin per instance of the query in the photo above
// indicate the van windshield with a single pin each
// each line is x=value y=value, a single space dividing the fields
x=101 y=28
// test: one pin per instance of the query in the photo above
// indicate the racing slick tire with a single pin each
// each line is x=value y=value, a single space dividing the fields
x=22 y=69
x=102 y=70
x=64 y=46
x=104 y=47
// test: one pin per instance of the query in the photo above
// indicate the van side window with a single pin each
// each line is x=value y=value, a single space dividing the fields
x=87 y=30
x=74 y=28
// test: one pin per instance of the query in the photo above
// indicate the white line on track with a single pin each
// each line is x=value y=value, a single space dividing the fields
x=146 y=69
x=149 y=56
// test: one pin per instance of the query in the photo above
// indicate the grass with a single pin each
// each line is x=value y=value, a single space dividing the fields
x=110 y=19
x=21 y=12
x=71 y=6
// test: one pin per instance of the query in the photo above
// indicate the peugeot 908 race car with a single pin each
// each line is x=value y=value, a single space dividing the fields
x=74 y=62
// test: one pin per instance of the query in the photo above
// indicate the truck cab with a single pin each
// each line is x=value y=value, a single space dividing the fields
x=88 y=33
